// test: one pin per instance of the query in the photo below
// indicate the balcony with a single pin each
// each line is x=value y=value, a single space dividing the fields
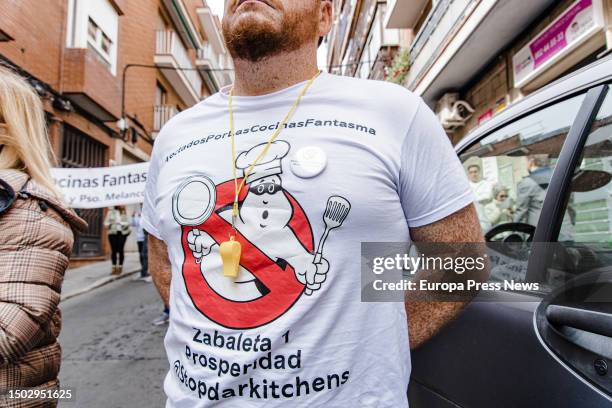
x=184 y=22
x=213 y=54
x=88 y=83
x=460 y=37
x=210 y=25
x=379 y=47
x=207 y=56
x=207 y=60
x=161 y=115
x=341 y=30
x=403 y=14
x=174 y=63
x=226 y=62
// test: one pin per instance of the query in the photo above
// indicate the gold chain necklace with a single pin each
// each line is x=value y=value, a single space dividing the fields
x=231 y=250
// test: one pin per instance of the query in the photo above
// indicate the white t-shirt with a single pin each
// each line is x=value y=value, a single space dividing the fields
x=483 y=191
x=384 y=165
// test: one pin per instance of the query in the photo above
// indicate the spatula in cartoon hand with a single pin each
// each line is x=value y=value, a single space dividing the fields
x=335 y=213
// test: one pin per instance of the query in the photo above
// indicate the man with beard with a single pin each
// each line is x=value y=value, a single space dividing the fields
x=361 y=161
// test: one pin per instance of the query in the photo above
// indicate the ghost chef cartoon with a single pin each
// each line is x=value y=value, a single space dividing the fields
x=263 y=219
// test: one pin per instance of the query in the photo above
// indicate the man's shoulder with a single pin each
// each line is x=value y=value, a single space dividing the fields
x=381 y=100
x=187 y=116
x=526 y=183
x=196 y=110
x=386 y=93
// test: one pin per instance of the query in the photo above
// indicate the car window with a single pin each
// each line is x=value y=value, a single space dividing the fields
x=510 y=169
x=588 y=213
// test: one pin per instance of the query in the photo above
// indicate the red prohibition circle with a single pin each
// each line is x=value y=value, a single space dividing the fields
x=284 y=288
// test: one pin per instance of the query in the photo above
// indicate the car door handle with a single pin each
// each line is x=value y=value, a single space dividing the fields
x=592 y=321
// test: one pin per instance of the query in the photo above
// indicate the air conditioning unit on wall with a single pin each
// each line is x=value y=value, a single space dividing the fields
x=452 y=112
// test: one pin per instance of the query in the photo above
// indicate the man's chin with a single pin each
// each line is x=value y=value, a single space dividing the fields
x=256 y=11
x=253 y=6
x=258 y=31
x=254 y=39
x=254 y=22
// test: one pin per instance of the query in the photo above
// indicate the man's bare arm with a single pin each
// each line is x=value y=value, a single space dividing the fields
x=425 y=319
x=159 y=267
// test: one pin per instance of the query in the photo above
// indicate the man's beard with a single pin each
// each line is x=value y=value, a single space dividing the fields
x=253 y=41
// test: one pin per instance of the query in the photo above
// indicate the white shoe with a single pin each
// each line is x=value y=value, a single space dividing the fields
x=148 y=279
x=161 y=320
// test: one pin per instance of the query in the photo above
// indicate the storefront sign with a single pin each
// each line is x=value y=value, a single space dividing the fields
x=102 y=186
x=570 y=29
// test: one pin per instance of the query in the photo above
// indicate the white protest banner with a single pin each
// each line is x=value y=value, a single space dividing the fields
x=99 y=187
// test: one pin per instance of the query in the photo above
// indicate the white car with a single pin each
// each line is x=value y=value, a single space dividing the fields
x=552 y=155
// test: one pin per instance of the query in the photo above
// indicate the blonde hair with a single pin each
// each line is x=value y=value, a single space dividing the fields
x=24 y=144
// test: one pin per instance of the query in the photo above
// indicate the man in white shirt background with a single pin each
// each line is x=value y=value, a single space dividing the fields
x=483 y=192
x=257 y=202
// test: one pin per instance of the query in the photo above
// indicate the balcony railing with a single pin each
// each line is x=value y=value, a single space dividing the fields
x=168 y=43
x=207 y=53
x=226 y=62
x=441 y=24
x=161 y=115
x=428 y=28
x=227 y=76
x=211 y=59
x=403 y=14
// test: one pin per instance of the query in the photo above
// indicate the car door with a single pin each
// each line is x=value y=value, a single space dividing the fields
x=516 y=352
x=574 y=321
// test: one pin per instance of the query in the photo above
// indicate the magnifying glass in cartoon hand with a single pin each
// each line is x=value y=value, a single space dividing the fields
x=193 y=203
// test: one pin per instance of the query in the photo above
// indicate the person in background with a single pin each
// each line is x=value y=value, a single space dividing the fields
x=142 y=237
x=118 y=223
x=35 y=245
x=531 y=190
x=141 y=240
x=483 y=190
x=500 y=210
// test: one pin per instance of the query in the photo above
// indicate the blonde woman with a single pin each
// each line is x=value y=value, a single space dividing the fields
x=35 y=243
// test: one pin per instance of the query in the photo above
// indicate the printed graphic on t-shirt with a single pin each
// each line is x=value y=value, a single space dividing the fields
x=280 y=259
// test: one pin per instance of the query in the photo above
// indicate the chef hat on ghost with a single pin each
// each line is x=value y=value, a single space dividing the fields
x=268 y=165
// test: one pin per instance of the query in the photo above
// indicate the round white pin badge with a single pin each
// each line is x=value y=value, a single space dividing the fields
x=308 y=161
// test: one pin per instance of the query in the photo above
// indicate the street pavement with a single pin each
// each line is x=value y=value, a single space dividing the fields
x=88 y=277
x=113 y=356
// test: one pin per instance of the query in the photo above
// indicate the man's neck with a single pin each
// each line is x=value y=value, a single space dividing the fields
x=275 y=73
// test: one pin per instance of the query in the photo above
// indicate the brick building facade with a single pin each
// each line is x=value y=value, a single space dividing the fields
x=78 y=54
